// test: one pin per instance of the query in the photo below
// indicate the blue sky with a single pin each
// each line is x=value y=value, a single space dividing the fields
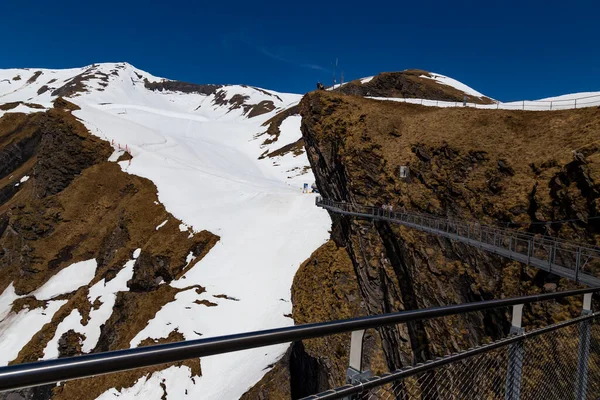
x=508 y=50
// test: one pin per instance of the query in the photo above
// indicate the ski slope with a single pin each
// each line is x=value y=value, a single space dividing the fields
x=203 y=158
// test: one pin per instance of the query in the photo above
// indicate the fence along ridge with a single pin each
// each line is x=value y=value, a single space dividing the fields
x=527 y=105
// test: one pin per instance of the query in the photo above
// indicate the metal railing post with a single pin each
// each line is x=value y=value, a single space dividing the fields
x=355 y=373
x=550 y=257
x=514 y=370
x=528 y=251
x=577 y=263
x=584 y=350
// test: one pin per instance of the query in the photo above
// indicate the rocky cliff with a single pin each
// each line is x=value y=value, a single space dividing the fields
x=505 y=168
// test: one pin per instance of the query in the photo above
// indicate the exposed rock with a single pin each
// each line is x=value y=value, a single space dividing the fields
x=550 y=287
x=43 y=89
x=34 y=77
x=9 y=106
x=263 y=107
x=178 y=86
x=409 y=84
x=356 y=160
x=69 y=344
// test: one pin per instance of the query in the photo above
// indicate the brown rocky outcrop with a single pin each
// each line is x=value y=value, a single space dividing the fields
x=467 y=164
x=412 y=83
x=507 y=168
x=76 y=206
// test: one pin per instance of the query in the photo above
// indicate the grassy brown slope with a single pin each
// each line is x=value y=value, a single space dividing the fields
x=77 y=206
x=501 y=167
x=479 y=164
x=325 y=289
x=409 y=84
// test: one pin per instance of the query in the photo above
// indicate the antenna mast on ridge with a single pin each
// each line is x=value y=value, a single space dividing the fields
x=334 y=69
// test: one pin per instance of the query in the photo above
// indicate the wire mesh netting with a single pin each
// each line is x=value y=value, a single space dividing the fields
x=560 y=364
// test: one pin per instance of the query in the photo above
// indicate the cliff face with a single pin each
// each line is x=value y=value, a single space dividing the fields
x=503 y=168
x=63 y=203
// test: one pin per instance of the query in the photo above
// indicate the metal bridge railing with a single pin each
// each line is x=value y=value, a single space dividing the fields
x=63 y=369
x=578 y=262
x=558 y=362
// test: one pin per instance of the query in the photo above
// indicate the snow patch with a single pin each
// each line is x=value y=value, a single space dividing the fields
x=6 y=300
x=72 y=321
x=102 y=293
x=190 y=257
x=67 y=280
x=115 y=155
x=136 y=253
x=162 y=224
x=16 y=330
x=367 y=79
x=453 y=83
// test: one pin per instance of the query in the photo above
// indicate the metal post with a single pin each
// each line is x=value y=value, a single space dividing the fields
x=550 y=257
x=584 y=350
x=528 y=251
x=577 y=262
x=355 y=373
x=514 y=370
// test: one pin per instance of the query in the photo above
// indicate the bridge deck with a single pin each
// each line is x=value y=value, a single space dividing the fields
x=433 y=226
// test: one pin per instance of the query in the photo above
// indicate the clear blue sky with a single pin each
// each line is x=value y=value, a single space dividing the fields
x=506 y=49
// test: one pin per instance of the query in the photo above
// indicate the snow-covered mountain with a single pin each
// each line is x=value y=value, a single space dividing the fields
x=200 y=145
x=228 y=159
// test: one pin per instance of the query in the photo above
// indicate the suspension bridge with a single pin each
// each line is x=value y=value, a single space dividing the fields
x=574 y=261
x=557 y=361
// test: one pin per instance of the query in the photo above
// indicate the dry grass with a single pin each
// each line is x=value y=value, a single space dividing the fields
x=263 y=107
x=9 y=106
x=325 y=289
x=480 y=164
x=296 y=148
x=490 y=165
x=104 y=214
x=409 y=84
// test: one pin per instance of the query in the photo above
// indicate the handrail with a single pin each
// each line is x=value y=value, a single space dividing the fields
x=377 y=381
x=571 y=260
x=52 y=371
x=545 y=238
